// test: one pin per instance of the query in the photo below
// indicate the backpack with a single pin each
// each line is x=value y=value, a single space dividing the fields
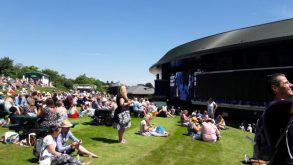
x=37 y=148
x=263 y=147
x=160 y=129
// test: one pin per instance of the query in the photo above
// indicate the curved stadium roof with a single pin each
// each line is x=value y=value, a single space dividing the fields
x=264 y=33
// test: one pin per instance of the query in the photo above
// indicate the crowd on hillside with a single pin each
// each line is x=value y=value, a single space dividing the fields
x=53 y=110
x=11 y=85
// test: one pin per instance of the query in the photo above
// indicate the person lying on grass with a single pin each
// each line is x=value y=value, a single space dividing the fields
x=147 y=129
x=66 y=134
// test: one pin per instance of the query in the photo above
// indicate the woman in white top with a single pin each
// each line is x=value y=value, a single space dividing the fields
x=147 y=129
x=212 y=106
x=49 y=155
x=221 y=124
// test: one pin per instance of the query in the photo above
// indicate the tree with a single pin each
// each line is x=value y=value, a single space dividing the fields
x=7 y=66
x=83 y=79
x=54 y=75
x=150 y=85
x=68 y=83
x=27 y=69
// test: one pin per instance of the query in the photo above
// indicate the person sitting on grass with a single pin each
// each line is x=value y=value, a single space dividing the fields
x=49 y=114
x=184 y=119
x=49 y=155
x=194 y=128
x=30 y=108
x=62 y=111
x=205 y=115
x=147 y=129
x=154 y=109
x=66 y=134
x=210 y=132
x=221 y=122
x=73 y=112
x=164 y=112
x=138 y=108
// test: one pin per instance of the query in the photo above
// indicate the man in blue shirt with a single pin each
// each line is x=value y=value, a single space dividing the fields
x=137 y=107
x=66 y=134
x=20 y=100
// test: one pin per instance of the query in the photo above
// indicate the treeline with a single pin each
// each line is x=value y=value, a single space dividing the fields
x=8 y=68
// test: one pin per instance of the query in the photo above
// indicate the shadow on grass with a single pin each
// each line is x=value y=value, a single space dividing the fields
x=87 y=123
x=105 y=140
x=32 y=160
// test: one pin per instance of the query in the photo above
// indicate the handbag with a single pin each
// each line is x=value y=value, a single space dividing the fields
x=64 y=159
x=124 y=117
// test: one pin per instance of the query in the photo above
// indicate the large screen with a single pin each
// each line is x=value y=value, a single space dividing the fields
x=182 y=85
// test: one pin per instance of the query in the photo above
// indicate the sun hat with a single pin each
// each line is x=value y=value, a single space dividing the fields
x=66 y=123
x=194 y=119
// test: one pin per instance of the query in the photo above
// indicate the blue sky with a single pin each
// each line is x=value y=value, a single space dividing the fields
x=118 y=40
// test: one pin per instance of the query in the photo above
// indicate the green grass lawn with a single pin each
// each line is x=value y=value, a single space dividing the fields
x=176 y=149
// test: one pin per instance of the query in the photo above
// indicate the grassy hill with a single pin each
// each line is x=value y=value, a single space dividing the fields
x=176 y=149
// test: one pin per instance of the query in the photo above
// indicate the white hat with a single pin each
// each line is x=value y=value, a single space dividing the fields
x=66 y=123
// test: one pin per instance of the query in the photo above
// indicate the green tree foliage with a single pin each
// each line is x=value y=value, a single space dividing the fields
x=83 y=79
x=6 y=67
x=150 y=85
x=58 y=80
x=16 y=71
x=54 y=75
x=68 y=83
x=26 y=69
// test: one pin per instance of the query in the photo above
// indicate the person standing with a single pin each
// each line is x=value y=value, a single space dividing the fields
x=211 y=106
x=122 y=115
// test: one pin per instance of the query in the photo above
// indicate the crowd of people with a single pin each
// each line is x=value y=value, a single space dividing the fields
x=55 y=109
x=51 y=112
x=11 y=85
x=202 y=126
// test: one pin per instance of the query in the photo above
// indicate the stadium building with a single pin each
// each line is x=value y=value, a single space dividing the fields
x=230 y=67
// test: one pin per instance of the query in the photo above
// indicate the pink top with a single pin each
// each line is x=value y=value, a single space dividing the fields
x=209 y=132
